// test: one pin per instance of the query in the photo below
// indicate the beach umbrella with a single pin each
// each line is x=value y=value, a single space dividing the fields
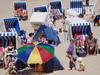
x=29 y=44
x=39 y=53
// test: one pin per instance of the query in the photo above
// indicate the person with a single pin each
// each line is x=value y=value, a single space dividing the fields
x=7 y=28
x=96 y=19
x=20 y=12
x=30 y=38
x=87 y=2
x=12 y=64
x=70 y=49
x=23 y=41
x=91 y=19
x=64 y=17
x=37 y=10
x=82 y=65
x=72 y=62
x=1 y=51
x=91 y=42
x=51 y=22
x=54 y=13
x=9 y=51
x=77 y=41
x=41 y=38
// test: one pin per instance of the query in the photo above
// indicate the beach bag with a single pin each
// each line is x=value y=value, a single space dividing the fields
x=70 y=49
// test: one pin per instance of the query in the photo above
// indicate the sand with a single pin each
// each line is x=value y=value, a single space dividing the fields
x=92 y=62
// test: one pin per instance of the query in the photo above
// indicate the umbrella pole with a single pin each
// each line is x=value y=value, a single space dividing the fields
x=35 y=68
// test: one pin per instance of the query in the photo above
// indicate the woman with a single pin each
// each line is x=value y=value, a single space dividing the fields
x=1 y=51
x=91 y=43
x=77 y=41
x=9 y=52
x=41 y=38
x=30 y=38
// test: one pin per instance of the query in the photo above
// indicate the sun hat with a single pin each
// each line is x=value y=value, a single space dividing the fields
x=80 y=59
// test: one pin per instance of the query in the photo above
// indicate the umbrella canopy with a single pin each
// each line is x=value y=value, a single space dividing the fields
x=39 y=53
x=30 y=44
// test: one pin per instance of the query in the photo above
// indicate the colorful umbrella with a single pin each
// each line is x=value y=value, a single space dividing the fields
x=39 y=53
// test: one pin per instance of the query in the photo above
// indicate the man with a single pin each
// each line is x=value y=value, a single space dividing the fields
x=91 y=43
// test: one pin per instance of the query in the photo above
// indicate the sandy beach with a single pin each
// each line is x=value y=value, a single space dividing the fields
x=92 y=62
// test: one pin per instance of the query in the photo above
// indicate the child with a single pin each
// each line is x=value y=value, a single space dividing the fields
x=72 y=62
x=82 y=66
x=12 y=68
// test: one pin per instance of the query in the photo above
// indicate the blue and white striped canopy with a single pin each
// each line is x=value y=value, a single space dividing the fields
x=77 y=5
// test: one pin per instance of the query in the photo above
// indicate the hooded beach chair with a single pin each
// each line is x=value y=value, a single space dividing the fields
x=79 y=26
x=6 y=37
x=57 y=5
x=40 y=9
x=77 y=5
x=23 y=6
x=13 y=25
x=71 y=13
x=38 y=19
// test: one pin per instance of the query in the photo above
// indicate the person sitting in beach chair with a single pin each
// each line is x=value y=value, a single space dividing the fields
x=54 y=13
x=77 y=41
x=91 y=44
x=7 y=28
x=21 y=13
x=12 y=65
x=1 y=53
x=8 y=54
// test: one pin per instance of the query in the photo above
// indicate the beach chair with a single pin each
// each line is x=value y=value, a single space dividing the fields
x=79 y=26
x=82 y=30
x=77 y=5
x=57 y=5
x=71 y=13
x=40 y=9
x=39 y=18
x=23 y=6
x=12 y=25
x=6 y=37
